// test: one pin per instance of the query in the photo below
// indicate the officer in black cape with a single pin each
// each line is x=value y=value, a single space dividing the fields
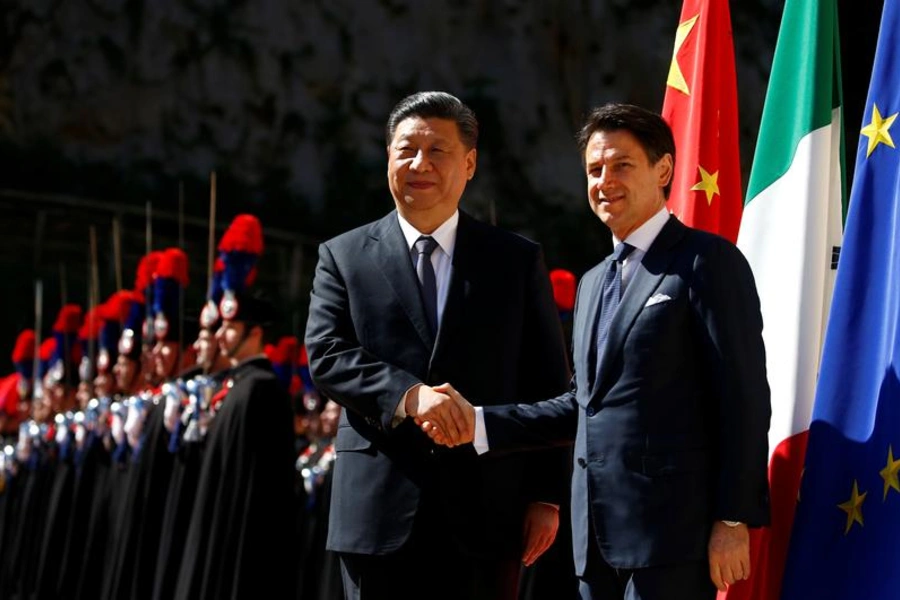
x=240 y=525
x=137 y=545
x=185 y=423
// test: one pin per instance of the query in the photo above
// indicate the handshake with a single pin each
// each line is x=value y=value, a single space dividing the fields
x=442 y=413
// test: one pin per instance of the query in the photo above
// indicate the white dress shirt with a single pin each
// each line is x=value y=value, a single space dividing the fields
x=442 y=261
x=441 y=258
x=641 y=238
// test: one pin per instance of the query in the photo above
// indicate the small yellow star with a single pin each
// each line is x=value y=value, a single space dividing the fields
x=877 y=130
x=853 y=508
x=708 y=183
x=889 y=473
x=676 y=77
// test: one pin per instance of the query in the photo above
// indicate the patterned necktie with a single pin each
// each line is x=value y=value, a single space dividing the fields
x=610 y=295
x=423 y=248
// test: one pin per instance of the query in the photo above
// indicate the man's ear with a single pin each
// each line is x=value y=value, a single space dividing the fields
x=258 y=334
x=471 y=159
x=664 y=169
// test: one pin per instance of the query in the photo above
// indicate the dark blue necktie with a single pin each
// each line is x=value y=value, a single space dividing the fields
x=610 y=295
x=423 y=248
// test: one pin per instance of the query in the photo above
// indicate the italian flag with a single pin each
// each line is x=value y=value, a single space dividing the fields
x=701 y=108
x=791 y=235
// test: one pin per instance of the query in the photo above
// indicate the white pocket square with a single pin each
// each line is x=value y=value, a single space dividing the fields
x=657 y=299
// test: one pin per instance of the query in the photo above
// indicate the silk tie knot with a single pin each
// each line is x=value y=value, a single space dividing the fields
x=425 y=245
x=621 y=252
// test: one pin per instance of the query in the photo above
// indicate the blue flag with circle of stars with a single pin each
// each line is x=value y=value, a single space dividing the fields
x=846 y=537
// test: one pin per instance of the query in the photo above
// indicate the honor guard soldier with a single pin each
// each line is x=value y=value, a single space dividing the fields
x=239 y=527
x=151 y=468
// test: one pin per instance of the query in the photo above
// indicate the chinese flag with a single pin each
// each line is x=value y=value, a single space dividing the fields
x=701 y=108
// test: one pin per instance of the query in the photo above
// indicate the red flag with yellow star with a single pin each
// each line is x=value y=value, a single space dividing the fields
x=701 y=108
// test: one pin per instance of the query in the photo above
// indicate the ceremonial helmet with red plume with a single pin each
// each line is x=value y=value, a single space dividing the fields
x=169 y=281
x=114 y=313
x=283 y=357
x=209 y=316
x=67 y=353
x=143 y=285
x=46 y=352
x=23 y=354
x=240 y=249
x=564 y=288
x=135 y=326
x=88 y=338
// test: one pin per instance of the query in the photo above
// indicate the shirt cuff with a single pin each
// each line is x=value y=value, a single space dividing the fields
x=481 y=440
x=400 y=412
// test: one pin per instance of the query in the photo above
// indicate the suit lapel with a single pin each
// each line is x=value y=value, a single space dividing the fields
x=584 y=329
x=645 y=279
x=461 y=270
x=391 y=255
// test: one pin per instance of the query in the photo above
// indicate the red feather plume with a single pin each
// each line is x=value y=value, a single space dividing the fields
x=288 y=346
x=173 y=264
x=243 y=235
x=144 y=277
x=303 y=359
x=48 y=347
x=93 y=323
x=271 y=351
x=117 y=306
x=68 y=320
x=24 y=348
x=564 y=286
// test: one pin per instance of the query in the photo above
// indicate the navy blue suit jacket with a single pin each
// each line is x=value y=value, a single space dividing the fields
x=369 y=341
x=671 y=435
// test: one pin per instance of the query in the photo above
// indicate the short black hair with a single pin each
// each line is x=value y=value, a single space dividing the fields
x=649 y=128
x=435 y=105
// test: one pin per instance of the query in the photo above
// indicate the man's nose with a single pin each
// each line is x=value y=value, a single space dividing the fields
x=605 y=178
x=420 y=162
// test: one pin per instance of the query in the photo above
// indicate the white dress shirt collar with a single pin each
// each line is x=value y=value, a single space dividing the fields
x=644 y=236
x=445 y=235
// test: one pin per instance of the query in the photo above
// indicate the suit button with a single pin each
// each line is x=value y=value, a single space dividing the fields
x=581 y=462
x=590 y=411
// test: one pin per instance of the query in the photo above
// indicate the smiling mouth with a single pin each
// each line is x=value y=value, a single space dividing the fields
x=420 y=185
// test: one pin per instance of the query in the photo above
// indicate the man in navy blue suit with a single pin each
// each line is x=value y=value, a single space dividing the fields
x=669 y=405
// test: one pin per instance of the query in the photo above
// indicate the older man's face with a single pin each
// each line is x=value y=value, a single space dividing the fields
x=428 y=166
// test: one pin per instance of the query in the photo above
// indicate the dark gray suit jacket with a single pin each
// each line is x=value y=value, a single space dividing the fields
x=672 y=433
x=368 y=342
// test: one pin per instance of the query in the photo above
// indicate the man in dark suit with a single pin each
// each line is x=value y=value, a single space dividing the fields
x=392 y=314
x=669 y=406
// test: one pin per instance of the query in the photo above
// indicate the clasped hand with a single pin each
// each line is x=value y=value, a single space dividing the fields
x=443 y=414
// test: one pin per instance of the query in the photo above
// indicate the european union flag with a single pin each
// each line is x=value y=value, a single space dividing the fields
x=846 y=536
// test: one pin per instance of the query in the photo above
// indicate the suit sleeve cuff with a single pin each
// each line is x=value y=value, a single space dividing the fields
x=400 y=411
x=481 y=440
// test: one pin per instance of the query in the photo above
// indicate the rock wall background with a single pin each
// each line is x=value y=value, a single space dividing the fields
x=117 y=101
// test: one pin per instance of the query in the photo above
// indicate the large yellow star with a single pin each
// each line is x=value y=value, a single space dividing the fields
x=889 y=473
x=676 y=77
x=877 y=130
x=853 y=508
x=708 y=183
